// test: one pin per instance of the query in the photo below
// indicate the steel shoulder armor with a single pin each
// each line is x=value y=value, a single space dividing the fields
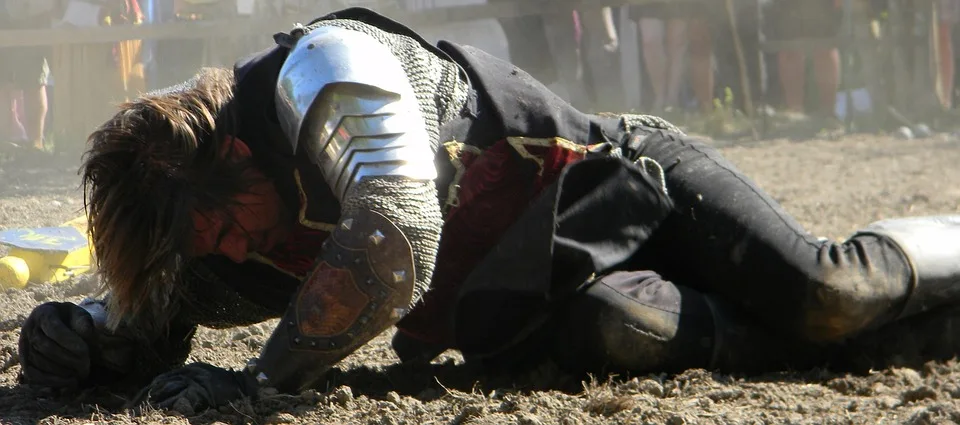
x=344 y=98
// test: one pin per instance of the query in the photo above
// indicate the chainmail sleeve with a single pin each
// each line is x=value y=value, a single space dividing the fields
x=413 y=207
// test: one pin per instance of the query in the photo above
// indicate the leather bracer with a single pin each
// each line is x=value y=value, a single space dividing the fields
x=363 y=283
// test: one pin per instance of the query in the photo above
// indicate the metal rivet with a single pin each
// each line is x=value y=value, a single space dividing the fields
x=358 y=261
x=346 y=224
x=339 y=257
x=399 y=276
x=370 y=281
x=290 y=323
x=376 y=237
x=313 y=343
x=296 y=340
x=252 y=366
x=262 y=378
x=332 y=344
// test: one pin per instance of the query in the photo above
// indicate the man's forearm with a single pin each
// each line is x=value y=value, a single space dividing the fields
x=364 y=284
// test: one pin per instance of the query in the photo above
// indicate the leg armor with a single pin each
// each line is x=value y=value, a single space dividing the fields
x=931 y=246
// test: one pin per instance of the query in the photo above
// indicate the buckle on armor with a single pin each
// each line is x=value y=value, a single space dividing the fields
x=289 y=39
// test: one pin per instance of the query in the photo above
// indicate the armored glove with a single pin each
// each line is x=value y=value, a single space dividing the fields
x=55 y=345
x=63 y=345
x=199 y=386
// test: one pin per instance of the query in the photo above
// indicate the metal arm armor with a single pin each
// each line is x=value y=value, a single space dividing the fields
x=345 y=98
x=362 y=285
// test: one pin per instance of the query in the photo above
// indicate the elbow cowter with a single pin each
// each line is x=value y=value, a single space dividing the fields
x=413 y=207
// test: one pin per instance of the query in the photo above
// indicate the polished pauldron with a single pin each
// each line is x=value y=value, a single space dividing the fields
x=345 y=99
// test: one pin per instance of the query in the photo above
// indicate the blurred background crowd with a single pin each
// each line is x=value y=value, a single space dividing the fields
x=798 y=60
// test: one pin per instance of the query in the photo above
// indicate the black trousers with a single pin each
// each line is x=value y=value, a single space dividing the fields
x=729 y=280
x=728 y=237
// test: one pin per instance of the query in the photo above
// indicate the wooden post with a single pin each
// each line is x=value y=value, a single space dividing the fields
x=761 y=55
x=846 y=61
x=61 y=67
x=901 y=41
x=925 y=85
x=871 y=63
x=742 y=64
x=936 y=59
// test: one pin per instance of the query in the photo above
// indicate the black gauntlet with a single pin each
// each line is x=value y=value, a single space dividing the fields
x=63 y=345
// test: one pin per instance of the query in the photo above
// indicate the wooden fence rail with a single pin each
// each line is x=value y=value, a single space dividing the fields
x=78 y=50
x=256 y=25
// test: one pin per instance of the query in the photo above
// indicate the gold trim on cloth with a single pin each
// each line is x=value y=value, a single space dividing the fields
x=315 y=225
x=302 y=218
x=454 y=150
x=520 y=145
x=264 y=260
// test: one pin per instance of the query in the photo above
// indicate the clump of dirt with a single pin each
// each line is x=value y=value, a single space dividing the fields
x=832 y=187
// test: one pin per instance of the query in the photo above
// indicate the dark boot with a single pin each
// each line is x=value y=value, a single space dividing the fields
x=910 y=342
x=745 y=346
x=931 y=246
x=637 y=323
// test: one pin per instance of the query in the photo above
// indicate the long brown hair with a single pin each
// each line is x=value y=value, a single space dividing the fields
x=159 y=158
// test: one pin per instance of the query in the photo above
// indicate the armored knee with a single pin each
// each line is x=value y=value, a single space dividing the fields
x=930 y=246
x=856 y=285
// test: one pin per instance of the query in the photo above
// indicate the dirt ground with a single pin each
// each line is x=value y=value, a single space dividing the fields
x=832 y=186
